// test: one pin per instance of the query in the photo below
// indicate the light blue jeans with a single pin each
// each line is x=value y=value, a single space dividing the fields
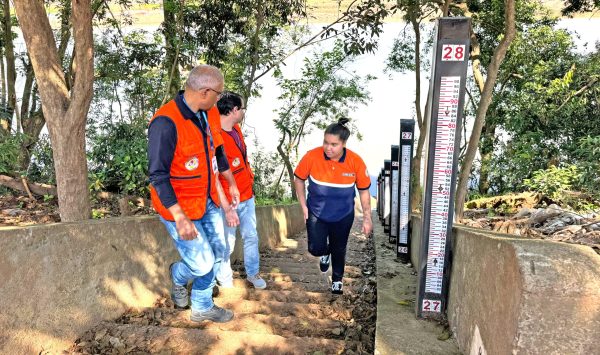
x=247 y=213
x=200 y=257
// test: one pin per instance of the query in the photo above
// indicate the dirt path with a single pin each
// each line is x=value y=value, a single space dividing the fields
x=295 y=315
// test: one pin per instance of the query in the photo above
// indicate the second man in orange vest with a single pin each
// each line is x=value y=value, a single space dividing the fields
x=185 y=155
x=232 y=112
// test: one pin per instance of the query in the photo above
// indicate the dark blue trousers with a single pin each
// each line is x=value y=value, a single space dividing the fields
x=326 y=238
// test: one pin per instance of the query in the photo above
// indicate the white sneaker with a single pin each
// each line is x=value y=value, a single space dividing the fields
x=324 y=263
x=257 y=282
x=337 y=287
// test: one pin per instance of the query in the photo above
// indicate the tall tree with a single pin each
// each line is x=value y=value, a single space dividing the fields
x=65 y=106
x=408 y=54
x=484 y=103
x=11 y=73
x=325 y=91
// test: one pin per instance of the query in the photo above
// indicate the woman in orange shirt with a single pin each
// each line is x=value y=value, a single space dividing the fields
x=333 y=173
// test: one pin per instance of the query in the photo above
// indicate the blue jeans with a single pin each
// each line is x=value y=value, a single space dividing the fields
x=200 y=257
x=247 y=213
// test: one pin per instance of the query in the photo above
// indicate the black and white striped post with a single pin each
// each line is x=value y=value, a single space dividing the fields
x=386 y=196
x=447 y=90
x=407 y=130
x=380 y=196
x=394 y=181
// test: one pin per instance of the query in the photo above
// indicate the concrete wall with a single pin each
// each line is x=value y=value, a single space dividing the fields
x=58 y=280
x=512 y=295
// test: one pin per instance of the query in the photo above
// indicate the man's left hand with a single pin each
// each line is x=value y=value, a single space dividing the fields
x=231 y=218
x=235 y=196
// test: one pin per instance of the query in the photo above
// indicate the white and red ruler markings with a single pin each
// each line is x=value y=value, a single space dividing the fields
x=441 y=182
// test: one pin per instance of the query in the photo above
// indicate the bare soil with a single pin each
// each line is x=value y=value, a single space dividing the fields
x=18 y=209
x=296 y=314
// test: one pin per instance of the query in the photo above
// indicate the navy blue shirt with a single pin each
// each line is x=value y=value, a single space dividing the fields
x=162 y=140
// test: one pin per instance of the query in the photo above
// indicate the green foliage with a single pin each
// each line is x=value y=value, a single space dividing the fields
x=98 y=214
x=128 y=85
x=545 y=105
x=10 y=146
x=575 y=6
x=322 y=93
x=402 y=57
x=553 y=182
x=268 y=188
x=265 y=201
x=41 y=168
x=588 y=157
x=118 y=160
x=325 y=91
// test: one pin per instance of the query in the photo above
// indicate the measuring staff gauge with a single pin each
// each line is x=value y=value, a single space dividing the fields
x=447 y=89
x=407 y=128
x=387 y=164
x=394 y=178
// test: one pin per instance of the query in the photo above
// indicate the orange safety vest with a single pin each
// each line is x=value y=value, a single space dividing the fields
x=238 y=163
x=192 y=172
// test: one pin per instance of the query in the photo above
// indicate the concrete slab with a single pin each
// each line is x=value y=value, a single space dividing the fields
x=398 y=330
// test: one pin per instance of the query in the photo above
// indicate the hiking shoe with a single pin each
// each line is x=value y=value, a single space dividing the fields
x=257 y=282
x=337 y=287
x=179 y=294
x=324 y=263
x=215 y=314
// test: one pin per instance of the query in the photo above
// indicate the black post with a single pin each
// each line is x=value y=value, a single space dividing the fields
x=407 y=129
x=380 y=196
x=394 y=181
x=448 y=93
x=386 y=196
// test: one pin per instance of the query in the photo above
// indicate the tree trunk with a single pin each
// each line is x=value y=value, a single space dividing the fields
x=415 y=199
x=65 y=111
x=289 y=168
x=255 y=43
x=484 y=103
x=171 y=63
x=3 y=80
x=488 y=138
x=11 y=72
x=416 y=188
x=17 y=184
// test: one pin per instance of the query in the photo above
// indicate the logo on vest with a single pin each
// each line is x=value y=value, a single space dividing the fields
x=236 y=162
x=348 y=174
x=192 y=164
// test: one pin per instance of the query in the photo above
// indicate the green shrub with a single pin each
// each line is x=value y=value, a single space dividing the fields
x=118 y=159
x=41 y=168
x=10 y=146
x=553 y=182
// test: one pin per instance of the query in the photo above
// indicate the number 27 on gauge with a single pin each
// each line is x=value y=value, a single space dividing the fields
x=453 y=52
x=431 y=305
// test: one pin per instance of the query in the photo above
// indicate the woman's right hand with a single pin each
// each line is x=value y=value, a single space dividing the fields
x=305 y=211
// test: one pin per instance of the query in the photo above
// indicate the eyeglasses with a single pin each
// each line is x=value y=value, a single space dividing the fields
x=219 y=93
x=242 y=109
